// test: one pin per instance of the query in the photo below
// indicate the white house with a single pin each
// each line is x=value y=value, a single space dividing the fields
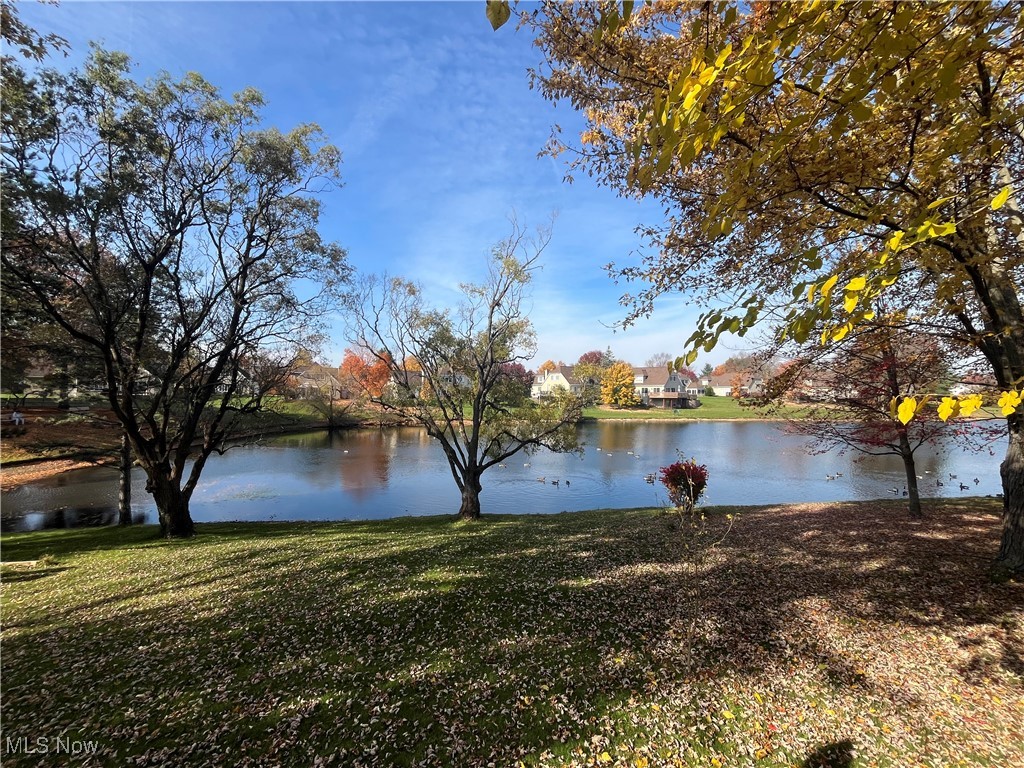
x=547 y=384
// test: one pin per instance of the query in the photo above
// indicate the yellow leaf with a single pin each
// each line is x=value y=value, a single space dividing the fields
x=857 y=284
x=723 y=56
x=892 y=407
x=949 y=408
x=691 y=96
x=757 y=698
x=604 y=757
x=840 y=333
x=850 y=301
x=1000 y=200
x=906 y=410
x=894 y=241
x=969 y=404
x=828 y=285
x=1008 y=402
x=728 y=715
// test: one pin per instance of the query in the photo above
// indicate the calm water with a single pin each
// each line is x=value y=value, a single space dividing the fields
x=368 y=474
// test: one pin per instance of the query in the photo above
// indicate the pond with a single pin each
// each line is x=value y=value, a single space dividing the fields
x=371 y=474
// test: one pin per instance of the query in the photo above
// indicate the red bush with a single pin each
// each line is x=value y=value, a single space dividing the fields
x=685 y=481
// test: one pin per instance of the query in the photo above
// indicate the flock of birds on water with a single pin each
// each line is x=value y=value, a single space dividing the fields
x=938 y=483
x=650 y=477
x=542 y=479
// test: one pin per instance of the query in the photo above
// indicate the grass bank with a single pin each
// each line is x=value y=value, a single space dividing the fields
x=93 y=435
x=839 y=635
x=711 y=408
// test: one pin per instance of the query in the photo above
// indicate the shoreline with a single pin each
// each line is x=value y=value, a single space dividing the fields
x=30 y=470
x=23 y=471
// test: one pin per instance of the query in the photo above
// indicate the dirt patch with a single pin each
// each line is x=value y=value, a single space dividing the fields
x=12 y=477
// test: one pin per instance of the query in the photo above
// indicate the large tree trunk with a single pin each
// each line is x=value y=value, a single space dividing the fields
x=124 y=485
x=470 y=509
x=1011 y=549
x=172 y=507
x=907 y=454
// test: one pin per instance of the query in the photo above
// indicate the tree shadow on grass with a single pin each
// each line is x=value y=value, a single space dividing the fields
x=837 y=755
x=15 y=574
x=495 y=642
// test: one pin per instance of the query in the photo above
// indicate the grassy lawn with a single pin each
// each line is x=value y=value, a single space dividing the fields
x=711 y=408
x=840 y=635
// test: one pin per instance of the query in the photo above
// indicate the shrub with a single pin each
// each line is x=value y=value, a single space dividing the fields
x=685 y=481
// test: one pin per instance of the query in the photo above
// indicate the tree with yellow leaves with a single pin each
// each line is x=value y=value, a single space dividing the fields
x=812 y=156
x=617 y=386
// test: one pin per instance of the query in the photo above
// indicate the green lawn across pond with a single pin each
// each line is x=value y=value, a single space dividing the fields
x=839 y=634
x=710 y=408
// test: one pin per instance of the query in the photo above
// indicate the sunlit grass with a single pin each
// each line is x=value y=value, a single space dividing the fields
x=546 y=640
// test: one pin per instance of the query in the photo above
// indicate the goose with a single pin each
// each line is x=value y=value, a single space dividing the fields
x=541 y=479
x=964 y=487
x=554 y=482
x=894 y=490
x=567 y=483
x=976 y=481
x=939 y=483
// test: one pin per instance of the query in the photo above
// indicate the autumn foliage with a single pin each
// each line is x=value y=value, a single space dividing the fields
x=367 y=374
x=686 y=482
x=617 y=386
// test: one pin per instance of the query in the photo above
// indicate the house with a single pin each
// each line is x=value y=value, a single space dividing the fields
x=562 y=378
x=313 y=379
x=974 y=384
x=815 y=385
x=694 y=388
x=407 y=384
x=735 y=384
x=660 y=388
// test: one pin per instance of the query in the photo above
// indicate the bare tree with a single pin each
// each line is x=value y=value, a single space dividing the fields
x=458 y=389
x=659 y=360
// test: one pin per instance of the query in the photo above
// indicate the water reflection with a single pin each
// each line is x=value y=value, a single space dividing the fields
x=371 y=474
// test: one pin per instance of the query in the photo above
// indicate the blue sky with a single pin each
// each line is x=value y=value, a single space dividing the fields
x=440 y=136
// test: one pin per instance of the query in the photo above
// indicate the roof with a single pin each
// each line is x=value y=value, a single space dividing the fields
x=567 y=374
x=652 y=377
x=316 y=371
